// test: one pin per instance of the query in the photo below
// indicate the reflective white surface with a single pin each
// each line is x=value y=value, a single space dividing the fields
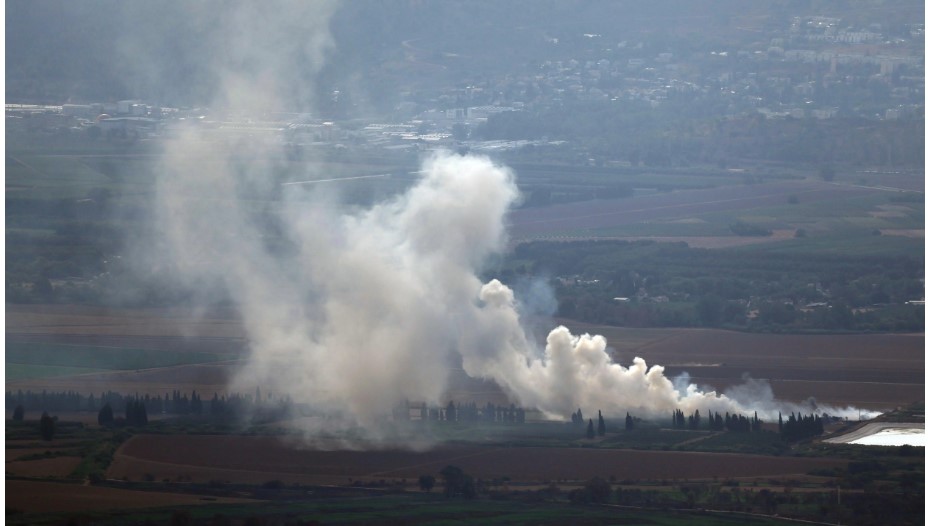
x=893 y=437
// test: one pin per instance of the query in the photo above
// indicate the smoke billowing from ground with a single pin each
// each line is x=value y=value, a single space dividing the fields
x=356 y=311
x=371 y=307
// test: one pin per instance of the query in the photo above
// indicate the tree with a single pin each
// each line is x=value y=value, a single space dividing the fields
x=590 y=433
x=629 y=422
x=180 y=518
x=18 y=413
x=47 y=427
x=136 y=414
x=426 y=483
x=827 y=173
x=453 y=478
x=105 y=416
x=599 y=490
x=709 y=310
x=468 y=488
x=601 y=429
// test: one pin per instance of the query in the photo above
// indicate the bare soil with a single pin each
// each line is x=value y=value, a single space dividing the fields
x=871 y=371
x=258 y=459
x=46 y=467
x=52 y=497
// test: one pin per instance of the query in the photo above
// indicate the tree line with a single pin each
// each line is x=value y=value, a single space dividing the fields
x=576 y=419
x=716 y=422
x=672 y=284
x=136 y=408
x=463 y=412
x=798 y=427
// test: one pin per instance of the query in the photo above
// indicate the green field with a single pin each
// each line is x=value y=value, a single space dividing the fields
x=365 y=509
x=859 y=245
x=849 y=217
x=23 y=371
x=42 y=360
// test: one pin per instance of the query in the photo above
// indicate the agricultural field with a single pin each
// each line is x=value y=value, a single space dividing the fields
x=377 y=508
x=145 y=351
x=242 y=459
x=871 y=371
x=170 y=469
x=69 y=210
x=703 y=217
x=28 y=496
x=164 y=473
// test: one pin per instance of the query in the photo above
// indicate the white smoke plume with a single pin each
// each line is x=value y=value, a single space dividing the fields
x=374 y=306
x=358 y=310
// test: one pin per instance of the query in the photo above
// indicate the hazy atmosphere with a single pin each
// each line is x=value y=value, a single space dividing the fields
x=376 y=242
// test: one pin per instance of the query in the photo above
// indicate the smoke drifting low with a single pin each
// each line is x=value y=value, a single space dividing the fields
x=358 y=310
x=372 y=307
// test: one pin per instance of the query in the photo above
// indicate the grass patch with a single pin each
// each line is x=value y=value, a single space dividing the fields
x=764 y=443
x=23 y=371
x=851 y=245
x=664 y=229
x=416 y=509
x=73 y=357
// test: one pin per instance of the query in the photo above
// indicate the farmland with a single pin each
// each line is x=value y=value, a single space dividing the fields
x=51 y=497
x=164 y=471
x=85 y=318
x=144 y=351
x=701 y=213
x=870 y=371
x=258 y=459
x=217 y=473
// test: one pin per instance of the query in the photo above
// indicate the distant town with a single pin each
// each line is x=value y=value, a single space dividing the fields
x=810 y=67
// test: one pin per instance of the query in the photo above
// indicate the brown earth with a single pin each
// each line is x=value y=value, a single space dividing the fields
x=871 y=371
x=52 y=497
x=258 y=459
x=46 y=467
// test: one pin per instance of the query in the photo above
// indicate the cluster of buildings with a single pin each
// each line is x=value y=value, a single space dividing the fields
x=811 y=67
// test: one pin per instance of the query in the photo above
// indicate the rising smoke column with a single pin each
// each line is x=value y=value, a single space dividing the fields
x=367 y=308
x=376 y=305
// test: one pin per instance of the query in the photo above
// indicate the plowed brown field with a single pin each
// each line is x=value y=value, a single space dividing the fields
x=51 y=497
x=871 y=371
x=259 y=459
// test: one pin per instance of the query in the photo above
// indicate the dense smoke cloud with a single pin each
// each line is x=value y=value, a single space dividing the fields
x=373 y=306
x=358 y=310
